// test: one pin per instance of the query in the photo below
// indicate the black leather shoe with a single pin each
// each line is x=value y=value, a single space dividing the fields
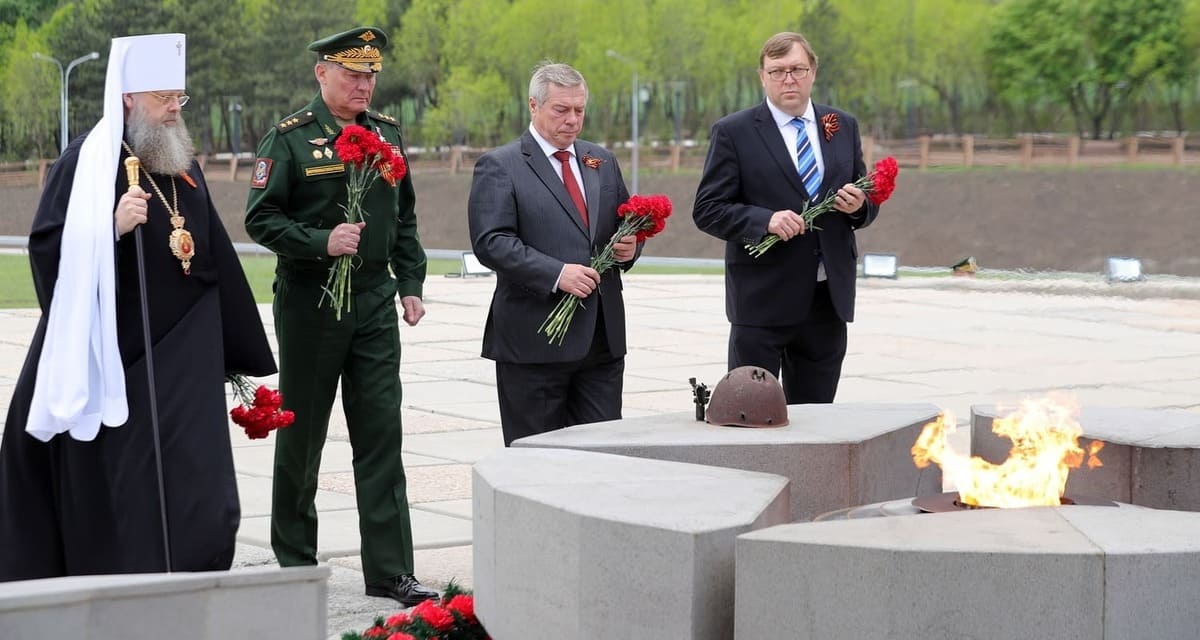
x=403 y=589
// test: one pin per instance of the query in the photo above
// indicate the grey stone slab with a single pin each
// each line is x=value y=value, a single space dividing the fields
x=1151 y=570
x=350 y=609
x=1130 y=396
x=453 y=508
x=459 y=446
x=1166 y=477
x=974 y=378
x=336 y=457
x=258 y=602
x=468 y=369
x=878 y=389
x=669 y=382
x=1021 y=573
x=260 y=458
x=613 y=545
x=414 y=355
x=655 y=363
x=836 y=455
x=447 y=393
x=421 y=421
x=1181 y=389
x=483 y=411
x=254 y=492
x=676 y=399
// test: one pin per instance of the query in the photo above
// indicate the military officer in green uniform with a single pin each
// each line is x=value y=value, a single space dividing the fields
x=294 y=209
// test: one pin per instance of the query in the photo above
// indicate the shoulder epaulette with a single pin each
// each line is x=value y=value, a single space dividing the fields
x=295 y=120
x=383 y=116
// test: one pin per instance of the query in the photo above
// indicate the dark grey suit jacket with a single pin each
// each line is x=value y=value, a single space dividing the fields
x=748 y=175
x=524 y=227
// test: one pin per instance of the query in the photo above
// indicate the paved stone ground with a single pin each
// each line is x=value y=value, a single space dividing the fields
x=950 y=341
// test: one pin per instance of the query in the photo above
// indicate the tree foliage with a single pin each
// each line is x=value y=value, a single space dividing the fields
x=457 y=71
x=1090 y=55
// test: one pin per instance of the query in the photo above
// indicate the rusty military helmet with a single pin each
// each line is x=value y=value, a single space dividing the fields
x=748 y=397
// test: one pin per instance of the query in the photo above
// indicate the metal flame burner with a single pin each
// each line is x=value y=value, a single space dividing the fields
x=937 y=503
x=948 y=501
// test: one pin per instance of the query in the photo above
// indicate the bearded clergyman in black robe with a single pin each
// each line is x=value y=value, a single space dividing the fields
x=79 y=465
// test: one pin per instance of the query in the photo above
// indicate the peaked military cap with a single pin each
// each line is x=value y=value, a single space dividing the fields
x=359 y=49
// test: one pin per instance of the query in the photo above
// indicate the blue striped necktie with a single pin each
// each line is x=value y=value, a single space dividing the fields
x=806 y=160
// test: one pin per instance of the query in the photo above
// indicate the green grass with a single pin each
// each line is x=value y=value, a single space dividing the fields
x=16 y=282
x=260 y=271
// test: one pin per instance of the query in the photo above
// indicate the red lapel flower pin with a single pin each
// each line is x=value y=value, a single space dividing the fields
x=592 y=162
x=830 y=122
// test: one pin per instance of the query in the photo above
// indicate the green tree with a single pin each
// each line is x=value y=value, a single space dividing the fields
x=30 y=12
x=215 y=63
x=29 y=119
x=1088 y=53
x=470 y=107
x=930 y=44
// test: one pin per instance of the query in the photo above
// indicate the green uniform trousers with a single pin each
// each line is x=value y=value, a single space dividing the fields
x=363 y=350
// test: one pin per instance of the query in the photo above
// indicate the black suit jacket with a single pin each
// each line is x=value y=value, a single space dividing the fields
x=524 y=227
x=748 y=175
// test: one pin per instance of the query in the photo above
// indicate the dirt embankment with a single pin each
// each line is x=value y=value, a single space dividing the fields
x=1054 y=219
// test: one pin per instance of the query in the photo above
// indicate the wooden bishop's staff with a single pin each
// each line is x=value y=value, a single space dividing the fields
x=132 y=164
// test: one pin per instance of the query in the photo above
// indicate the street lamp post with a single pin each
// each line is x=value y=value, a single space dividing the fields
x=64 y=74
x=634 y=98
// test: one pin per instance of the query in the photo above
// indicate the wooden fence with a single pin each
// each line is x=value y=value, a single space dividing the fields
x=924 y=152
x=1031 y=150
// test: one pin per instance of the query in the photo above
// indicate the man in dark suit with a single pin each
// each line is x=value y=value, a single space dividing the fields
x=540 y=208
x=789 y=307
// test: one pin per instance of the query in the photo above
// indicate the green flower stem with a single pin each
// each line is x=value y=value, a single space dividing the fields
x=556 y=324
x=809 y=215
x=337 y=287
x=243 y=389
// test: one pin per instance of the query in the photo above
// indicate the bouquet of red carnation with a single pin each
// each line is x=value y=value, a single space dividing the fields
x=259 y=414
x=452 y=617
x=641 y=216
x=367 y=157
x=879 y=185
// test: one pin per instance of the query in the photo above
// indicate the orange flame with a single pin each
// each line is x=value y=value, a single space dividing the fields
x=1045 y=437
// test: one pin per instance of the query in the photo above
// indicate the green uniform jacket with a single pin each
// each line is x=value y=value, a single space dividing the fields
x=297 y=194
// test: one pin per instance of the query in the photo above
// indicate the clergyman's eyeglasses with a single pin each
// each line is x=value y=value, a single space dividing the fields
x=182 y=99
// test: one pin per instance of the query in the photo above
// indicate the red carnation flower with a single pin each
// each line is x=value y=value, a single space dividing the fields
x=259 y=414
x=463 y=605
x=393 y=170
x=368 y=157
x=433 y=615
x=641 y=216
x=878 y=185
x=883 y=180
x=375 y=632
x=399 y=635
x=351 y=145
x=398 y=620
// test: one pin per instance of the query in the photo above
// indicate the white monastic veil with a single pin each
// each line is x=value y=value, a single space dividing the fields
x=80 y=379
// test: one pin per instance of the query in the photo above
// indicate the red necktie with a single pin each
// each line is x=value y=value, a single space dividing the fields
x=572 y=186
